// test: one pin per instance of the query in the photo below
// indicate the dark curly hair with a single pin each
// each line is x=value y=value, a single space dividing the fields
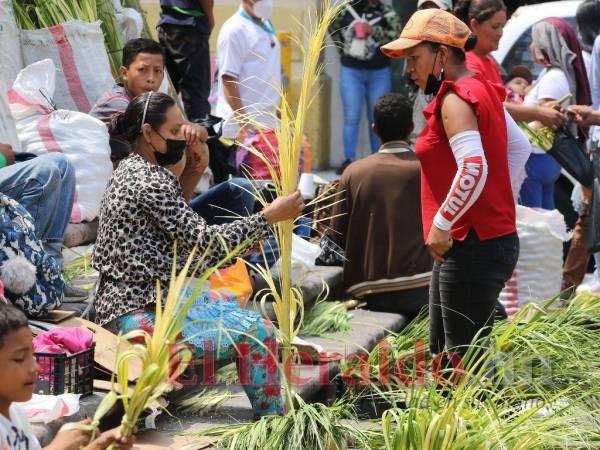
x=480 y=10
x=134 y=47
x=11 y=319
x=393 y=117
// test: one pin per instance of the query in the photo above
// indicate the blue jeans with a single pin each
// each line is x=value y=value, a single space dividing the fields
x=226 y=201
x=45 y=187
x=358 y=85
x=538 y=188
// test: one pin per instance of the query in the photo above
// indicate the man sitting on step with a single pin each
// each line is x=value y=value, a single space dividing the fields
x=377 y=221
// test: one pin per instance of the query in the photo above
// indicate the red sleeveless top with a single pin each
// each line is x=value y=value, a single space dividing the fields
x=493 y=214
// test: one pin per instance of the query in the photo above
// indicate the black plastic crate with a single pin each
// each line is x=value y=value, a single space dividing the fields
x=61 y=373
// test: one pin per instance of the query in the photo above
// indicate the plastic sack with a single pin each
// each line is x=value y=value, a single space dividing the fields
x=304 y=255
x=83 y=139
x=10 y=43
x=47 y=408
x=130 y=21
x=538 y=273
x=8 y=127
x=234 y=280
x=83 y=71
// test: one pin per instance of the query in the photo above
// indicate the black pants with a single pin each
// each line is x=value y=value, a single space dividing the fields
x=408 y=302
x=465 y=288
x=188 y=64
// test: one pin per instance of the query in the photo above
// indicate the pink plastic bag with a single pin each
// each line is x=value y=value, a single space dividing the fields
x=63 y=340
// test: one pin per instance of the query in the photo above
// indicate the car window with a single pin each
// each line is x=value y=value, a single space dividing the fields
x=520 y=55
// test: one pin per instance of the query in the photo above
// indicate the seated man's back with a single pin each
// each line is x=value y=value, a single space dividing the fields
x=380 y=228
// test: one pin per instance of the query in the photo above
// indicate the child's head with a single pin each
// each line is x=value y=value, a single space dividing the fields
x=518 y=80
x=143 y=66
x=392 y=118
x=18 y=366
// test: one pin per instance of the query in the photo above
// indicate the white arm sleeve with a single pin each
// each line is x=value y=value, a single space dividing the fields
x=519 y=150
x=469 y=181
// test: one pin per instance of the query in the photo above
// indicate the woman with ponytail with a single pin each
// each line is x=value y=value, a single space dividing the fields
x=143 y=214
x=467 y=200
x=486 y=19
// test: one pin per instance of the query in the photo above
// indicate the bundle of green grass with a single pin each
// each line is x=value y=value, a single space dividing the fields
x=38 y=14
x=533 y=384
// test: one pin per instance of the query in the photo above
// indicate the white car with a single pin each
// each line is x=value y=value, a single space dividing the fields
x=514 y=45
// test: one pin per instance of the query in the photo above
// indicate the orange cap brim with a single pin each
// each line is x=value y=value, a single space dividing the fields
x=397 y=48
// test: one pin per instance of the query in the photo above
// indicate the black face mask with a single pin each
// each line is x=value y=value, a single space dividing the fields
x=175 y=150
x=433 y=84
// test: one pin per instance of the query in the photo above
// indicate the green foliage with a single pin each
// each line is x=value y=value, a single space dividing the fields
x=324 y=318
x=307 y=427
x=205 y=401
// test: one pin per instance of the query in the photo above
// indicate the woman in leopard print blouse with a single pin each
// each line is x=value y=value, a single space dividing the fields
x=143 y=214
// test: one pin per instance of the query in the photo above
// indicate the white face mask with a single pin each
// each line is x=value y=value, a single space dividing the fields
x=263 y=9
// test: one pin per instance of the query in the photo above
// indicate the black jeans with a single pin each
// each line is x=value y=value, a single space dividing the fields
x=188 y=64
x=408 y=302
x=465 y=288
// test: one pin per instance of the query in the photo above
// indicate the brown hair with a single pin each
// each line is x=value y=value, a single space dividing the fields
x=480 y=10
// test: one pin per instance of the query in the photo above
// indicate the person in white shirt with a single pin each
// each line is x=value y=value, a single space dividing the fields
x=249 y=69
x=554 y=46
x=18 y=373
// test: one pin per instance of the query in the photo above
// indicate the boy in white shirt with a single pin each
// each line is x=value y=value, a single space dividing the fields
x=18 y=373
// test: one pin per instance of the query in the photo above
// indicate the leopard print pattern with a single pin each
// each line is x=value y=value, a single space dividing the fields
x=143 y=215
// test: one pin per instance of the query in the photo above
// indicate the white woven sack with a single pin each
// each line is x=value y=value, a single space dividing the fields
x=82 y=68
x=538 y=274
x=85 y=142
x=11 y=58
x=83 y=139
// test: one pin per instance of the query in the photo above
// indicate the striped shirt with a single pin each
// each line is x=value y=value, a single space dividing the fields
x=112 y=103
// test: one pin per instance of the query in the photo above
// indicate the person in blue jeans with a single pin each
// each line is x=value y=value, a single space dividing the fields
x=45 y=187
x=361 y=28
x=538 y=188
x=226 y=202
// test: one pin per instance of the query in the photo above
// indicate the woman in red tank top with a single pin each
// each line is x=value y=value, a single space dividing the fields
x=468 y=206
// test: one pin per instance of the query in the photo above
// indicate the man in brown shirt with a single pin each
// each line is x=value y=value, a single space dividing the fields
x=377 y=220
